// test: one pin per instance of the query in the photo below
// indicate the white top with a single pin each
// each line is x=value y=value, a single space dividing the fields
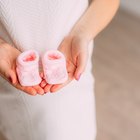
x=33 y=24
x=39 y=24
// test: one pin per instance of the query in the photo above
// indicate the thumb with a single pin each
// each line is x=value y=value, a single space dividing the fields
x=11 y=76
x=81 y=64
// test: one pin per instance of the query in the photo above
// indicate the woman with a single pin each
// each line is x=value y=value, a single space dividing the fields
x=66 y=111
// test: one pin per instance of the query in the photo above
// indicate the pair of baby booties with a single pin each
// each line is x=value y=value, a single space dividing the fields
x=54 y=67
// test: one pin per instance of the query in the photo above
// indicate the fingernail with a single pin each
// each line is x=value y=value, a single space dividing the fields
x=78 y=78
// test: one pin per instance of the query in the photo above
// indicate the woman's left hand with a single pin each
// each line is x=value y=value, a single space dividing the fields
x=75 y=48
x=75 y=45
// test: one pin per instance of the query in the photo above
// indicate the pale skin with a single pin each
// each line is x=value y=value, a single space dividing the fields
x=74 y=46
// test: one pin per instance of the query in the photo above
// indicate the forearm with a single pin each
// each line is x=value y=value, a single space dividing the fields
x=97 y=17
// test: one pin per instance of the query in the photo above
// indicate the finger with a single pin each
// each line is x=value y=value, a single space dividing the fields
x=57 y=87
x=38 y=89
x=31 y=90
x=42 y=75
x=28 y=90
x=47 y=88
x=11 y=75
x=43 y=83
x=81 y=62
x=70 y=67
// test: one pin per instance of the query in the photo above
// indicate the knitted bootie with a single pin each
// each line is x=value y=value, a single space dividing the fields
x=28 y=68
x=54 y=67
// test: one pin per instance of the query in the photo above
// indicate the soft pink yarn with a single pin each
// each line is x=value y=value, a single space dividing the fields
x=28 y=68
x=54 y=66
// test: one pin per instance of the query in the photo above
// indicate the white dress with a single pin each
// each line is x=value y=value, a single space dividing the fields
x=68 y=114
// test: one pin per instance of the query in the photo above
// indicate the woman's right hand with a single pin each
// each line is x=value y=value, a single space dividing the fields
x=8 y=55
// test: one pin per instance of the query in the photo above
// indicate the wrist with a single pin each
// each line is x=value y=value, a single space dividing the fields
x=80 y=31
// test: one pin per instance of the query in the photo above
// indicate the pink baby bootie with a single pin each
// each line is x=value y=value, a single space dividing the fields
x=54 y=66
x=28 y=68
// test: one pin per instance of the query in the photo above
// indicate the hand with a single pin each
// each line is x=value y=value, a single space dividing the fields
x=8 y=55
x=75 y=48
